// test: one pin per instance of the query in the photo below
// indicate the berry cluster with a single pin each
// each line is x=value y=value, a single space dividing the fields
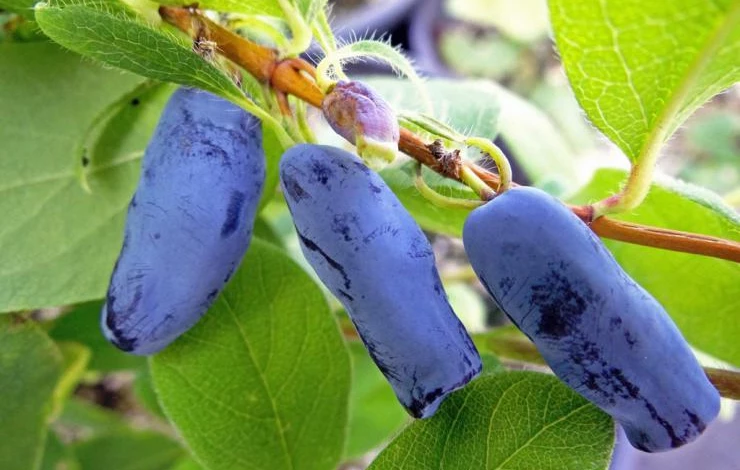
x=190 y=221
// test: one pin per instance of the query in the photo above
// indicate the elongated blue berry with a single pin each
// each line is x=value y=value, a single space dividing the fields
x=599 y=331
x=189 y=222
x=373 y=257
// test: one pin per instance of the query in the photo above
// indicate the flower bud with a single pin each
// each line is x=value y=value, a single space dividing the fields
x=360 y=115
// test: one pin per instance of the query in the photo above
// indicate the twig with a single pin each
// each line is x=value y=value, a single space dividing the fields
x=287 y=77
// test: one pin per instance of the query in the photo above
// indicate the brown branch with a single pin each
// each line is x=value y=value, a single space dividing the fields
x=667 y=239
x=291 y=76
x=727 y=382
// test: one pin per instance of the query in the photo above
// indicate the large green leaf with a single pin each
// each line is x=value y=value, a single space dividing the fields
x=262 y=381
x=128 y=450
x=639 y=69
x=506 y=420
x=702 y=294
x=127 y=43
x=31 y=366
x=375 y=413
x=60 y=242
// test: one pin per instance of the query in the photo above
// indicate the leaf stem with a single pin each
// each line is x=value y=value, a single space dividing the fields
x=438 y=199
x=502 y=163
x=300 y=31
x=472 y=180
x=263 y=64
x=641 y=176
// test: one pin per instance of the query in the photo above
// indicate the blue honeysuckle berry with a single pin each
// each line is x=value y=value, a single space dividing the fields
x=370 y=253
x=599 y=331
x=189 y=222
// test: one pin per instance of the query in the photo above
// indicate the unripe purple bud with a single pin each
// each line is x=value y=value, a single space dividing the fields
x=357 y=113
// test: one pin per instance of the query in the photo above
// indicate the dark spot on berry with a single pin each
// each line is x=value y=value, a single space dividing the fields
x=233 y=213
x=321 y=172
x=212 y=295
x=345 y=295
x=560 y=303
x=294 y=189
x=312 y=246
x=135 y=102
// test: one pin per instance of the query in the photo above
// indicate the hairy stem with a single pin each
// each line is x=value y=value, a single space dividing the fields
x=440 y=200
x=286 y=76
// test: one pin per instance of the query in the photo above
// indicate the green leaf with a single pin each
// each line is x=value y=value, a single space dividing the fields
x=75 y=357
x=507 y=420
x=639 y=69
x=57 y=455
x=375 y=413
x=128 y=450
x=187 y=463
x=126 y=43
x=491 y=363
x=264 y=230
x=31 y=366
x=82 y=325
x=701 y=294
x=262 y=381
x=60 y=242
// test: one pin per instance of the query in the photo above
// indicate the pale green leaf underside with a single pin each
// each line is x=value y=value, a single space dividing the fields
x=508 y=420
x=262 y=381
x=639 y=69
x=60 y=242
x=701 y=294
